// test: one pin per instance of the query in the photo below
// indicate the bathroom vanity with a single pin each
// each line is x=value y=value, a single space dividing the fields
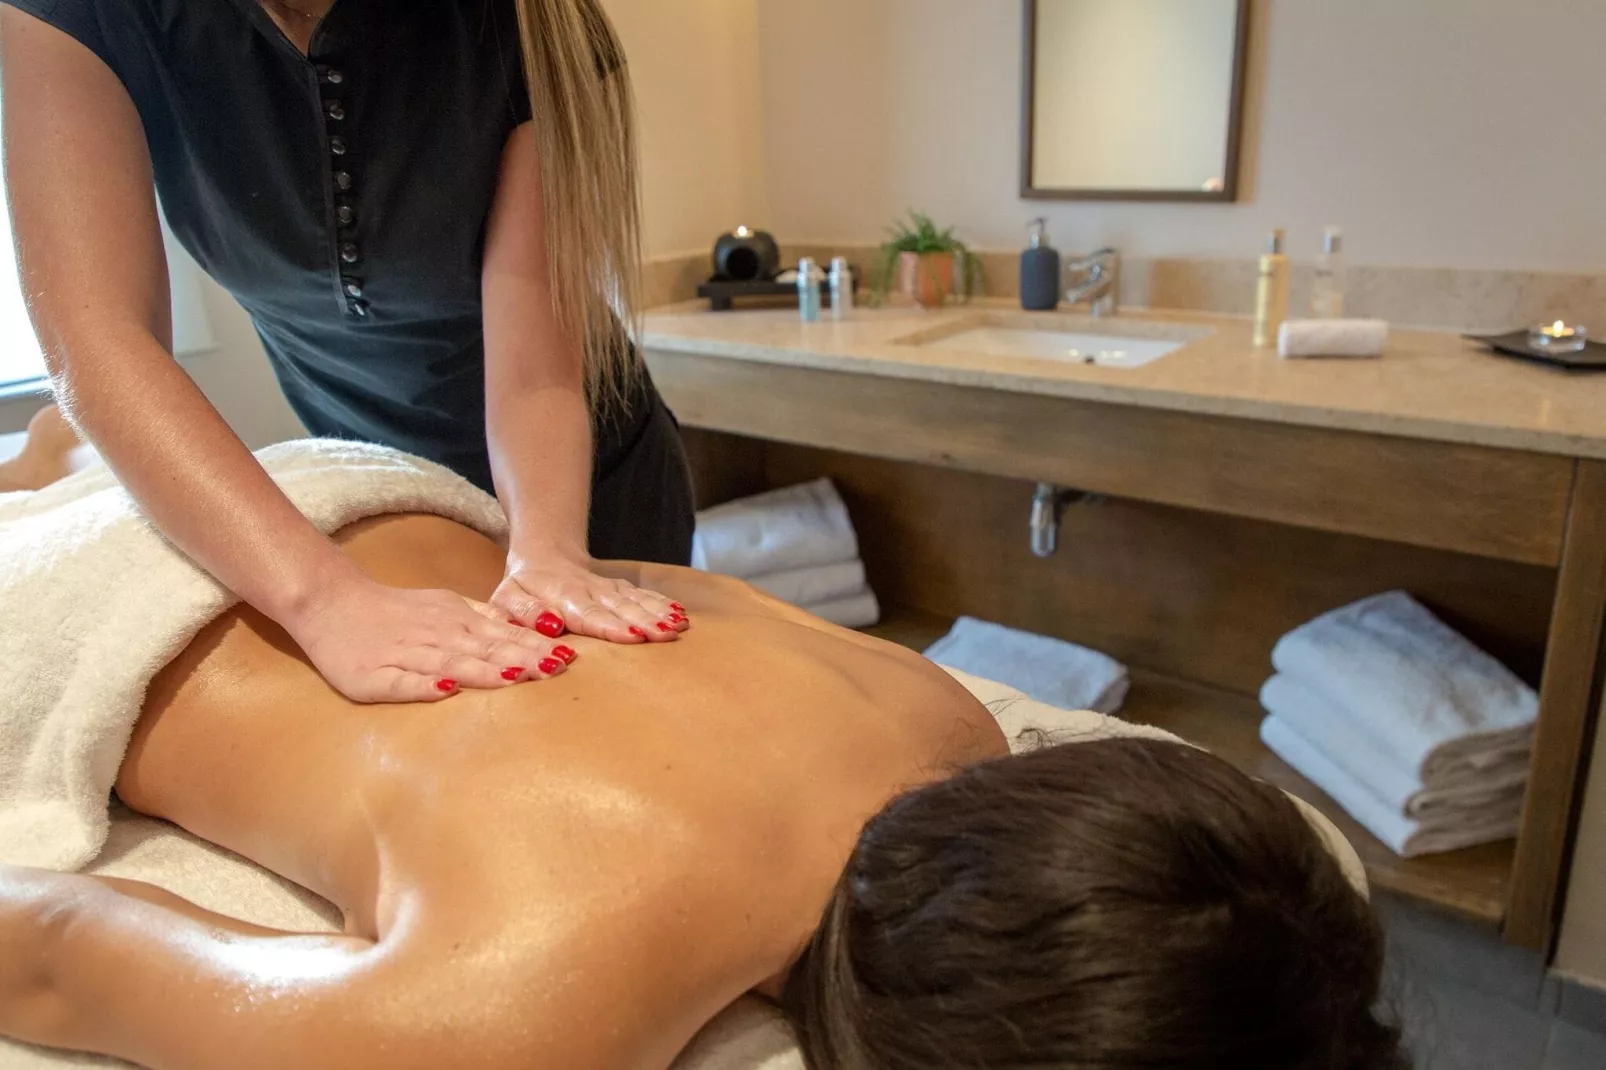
x=1227 y=497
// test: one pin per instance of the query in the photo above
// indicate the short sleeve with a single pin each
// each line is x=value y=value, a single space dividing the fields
x=79 y=19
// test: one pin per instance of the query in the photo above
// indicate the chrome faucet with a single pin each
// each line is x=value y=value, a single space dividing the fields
x=1099 y=281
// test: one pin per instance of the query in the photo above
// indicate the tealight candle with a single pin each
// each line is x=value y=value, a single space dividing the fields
x=1559 y=337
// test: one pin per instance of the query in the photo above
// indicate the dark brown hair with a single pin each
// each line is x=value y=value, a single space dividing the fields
x=1107 y=905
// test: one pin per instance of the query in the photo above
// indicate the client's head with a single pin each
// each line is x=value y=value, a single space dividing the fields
x=1100 y=906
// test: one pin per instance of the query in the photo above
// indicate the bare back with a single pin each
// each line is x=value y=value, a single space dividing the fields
x=639 y=841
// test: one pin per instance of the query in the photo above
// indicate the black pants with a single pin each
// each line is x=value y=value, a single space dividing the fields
x=642 y=508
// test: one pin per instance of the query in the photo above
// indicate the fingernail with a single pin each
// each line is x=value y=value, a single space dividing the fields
x=550 y=625
x=677 y=607
x=665 y=627
x=512 y=674
x=446 y=685
x=677 y=618
x=564 y=654
x=549 y=666
x=638 y=633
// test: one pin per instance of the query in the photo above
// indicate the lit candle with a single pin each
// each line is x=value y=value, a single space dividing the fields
x=1559 y=337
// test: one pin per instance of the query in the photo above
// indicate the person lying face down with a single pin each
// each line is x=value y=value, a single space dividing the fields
x=584 y=871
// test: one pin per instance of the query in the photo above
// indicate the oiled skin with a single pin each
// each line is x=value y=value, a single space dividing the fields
x=577 y=873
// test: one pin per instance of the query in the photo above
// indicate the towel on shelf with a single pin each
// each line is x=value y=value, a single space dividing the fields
x=1414 y=685
x=1049 y=670
x=1458 y=787
x=816 y=585
x=855 y=611
x=779 y=531
x=1405 y=836
x=94 y=602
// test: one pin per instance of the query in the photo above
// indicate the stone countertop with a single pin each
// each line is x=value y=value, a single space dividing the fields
x=1427 y=385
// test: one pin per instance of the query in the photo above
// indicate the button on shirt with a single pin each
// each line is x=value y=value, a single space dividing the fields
x=341 y=196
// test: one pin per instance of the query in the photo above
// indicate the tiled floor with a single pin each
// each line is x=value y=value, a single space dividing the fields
x=1469 y=1002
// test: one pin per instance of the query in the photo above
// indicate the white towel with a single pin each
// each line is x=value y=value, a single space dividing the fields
x=1049 y=670
x=859 y=610
x=1332 y=338
x=94 y=602
x=1418 y=688
x=1405 y=836
x=813 y=586
x=796 y=527
x=1460 y=788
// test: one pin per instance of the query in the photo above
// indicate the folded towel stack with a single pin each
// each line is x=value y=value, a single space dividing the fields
x=1049 y=670
x=1421 y=736
x=796 y=543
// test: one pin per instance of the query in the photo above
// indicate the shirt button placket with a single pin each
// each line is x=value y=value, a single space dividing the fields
x=331 y=80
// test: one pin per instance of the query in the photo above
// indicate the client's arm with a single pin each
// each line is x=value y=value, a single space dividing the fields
x=128 y=970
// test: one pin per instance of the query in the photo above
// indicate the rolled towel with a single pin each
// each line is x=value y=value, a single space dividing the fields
x=1419 y=689
x=1049 y=670
x=1405 y=836
x=855 y=611
x=813 y=586
x=1380 y=770
x=796 y=527
x=1332 y=338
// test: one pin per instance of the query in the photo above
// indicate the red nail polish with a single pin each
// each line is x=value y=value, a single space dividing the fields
x=638 y=633
x=550 y=625
x=512 y=674
x=446 y=685
x=565 y=654
x=677 y=618
x=665 y=627
x=677 y=607
x=550 y=666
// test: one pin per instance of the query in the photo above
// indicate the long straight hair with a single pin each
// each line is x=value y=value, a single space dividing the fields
x=585 y=132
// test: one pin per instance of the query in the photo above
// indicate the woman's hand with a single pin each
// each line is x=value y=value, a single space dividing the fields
x=554 y=592
x=388 y=644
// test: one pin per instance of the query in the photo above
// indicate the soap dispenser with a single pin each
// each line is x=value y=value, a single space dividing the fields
x=1040 y=272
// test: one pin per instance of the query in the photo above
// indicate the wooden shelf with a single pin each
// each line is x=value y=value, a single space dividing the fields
x=1472 y=883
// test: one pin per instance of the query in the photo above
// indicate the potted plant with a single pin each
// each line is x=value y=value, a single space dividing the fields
x=926 y=263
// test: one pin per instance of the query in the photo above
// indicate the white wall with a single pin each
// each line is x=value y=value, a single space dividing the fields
x=1407 y=123
x=695 y=65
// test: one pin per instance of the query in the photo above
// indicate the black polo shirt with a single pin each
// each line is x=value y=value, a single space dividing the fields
x=341 y=196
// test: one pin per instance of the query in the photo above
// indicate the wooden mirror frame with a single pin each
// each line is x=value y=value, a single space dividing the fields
x=1229 y=190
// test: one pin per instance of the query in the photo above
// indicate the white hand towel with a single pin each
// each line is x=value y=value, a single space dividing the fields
x=1380 y=770
x=94 y=602
x=796 y=527
x=1418 y=688
x=855 y=611
x=1332 y=338
x=1049 y=670
x=1405 y=836
x=813 y=586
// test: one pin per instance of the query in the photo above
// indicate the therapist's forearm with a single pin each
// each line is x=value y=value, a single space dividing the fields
x=190 y=473
x=541 y=458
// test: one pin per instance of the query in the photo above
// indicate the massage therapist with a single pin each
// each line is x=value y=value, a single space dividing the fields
x=437 y=257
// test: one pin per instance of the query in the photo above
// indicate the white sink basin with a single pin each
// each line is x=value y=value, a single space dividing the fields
x=1063 y=339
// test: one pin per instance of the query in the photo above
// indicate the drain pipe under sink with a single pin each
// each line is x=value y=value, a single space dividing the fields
x=1048 y=503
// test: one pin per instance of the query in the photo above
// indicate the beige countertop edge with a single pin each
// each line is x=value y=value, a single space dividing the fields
x=1434 y=430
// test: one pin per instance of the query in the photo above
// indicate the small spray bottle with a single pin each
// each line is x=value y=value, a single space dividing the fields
x=841 y=288
x=808 y=290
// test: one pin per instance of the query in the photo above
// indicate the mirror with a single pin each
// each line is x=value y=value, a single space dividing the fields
x=1133 y=100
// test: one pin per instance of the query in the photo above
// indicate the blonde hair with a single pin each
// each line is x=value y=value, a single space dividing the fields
x=585 y=133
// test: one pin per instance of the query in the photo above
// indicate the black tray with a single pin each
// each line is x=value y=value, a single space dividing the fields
x=722 y=293
x=1592 y=358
